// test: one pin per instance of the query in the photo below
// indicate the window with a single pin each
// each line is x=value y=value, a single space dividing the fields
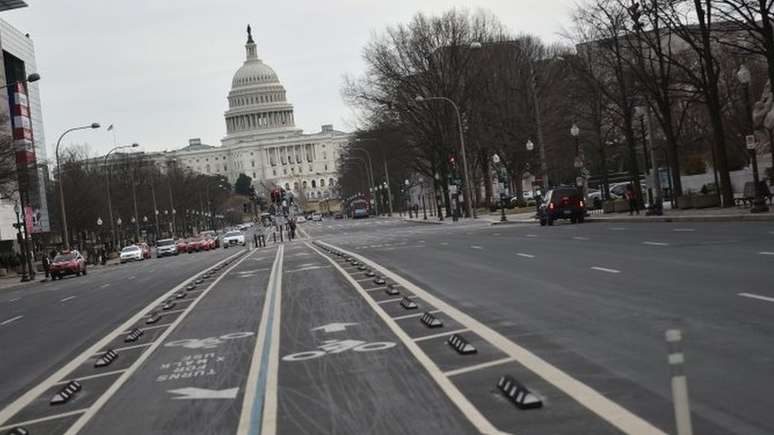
x=224 y=157
x=274 y=172
x=207 y=168
x=330 y=182
x=225 y=168
x=253 y=175
x=314 y=184
x=325 y=155
x=285 y=171
x=295 y=186
x=322 y=182
x=252 y=163
x=326 y=166
x=310 y=168
x=287 y=186
x=304 y=184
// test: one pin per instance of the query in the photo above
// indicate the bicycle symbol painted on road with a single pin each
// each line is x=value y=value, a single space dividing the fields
x=206 y=343
x=338 y=346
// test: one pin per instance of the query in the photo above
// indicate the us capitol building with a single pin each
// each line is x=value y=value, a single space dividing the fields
x=263 y=142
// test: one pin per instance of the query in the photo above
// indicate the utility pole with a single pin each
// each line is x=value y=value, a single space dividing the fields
x=538 y=125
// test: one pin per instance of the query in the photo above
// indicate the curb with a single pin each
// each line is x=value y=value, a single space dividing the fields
x=427 y=222
x=718 y=218
x=513 y=222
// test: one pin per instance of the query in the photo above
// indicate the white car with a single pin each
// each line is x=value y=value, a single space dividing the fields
x=131 y=253
x=166 y=247
x=300 y=219
x=233 y=238
x=317 y=217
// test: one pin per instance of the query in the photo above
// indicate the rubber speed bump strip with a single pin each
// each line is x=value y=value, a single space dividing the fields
x=179 y=295
x=168 y=305
x=198 y=281
x=408 y=303
x=379 y=281
x=133 y=335
x=106 y=359
x=66 y=393
x=190 y=287
x=518 y=393
x=431 y=321
x=392 y=290
x=461 y=345
x=153 y=317
x=370 y=273
x=18 y=431
x=362 y=267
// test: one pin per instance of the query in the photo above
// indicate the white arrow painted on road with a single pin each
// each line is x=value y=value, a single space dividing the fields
x=203 y=393
x=333 y=327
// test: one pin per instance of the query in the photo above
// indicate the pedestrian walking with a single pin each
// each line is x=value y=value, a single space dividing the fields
x=631 y=195
x=260 y=232
x=46 y=265
x=292 y=229
x=255 y=238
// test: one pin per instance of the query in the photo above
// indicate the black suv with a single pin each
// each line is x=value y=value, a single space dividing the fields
x=562 y=203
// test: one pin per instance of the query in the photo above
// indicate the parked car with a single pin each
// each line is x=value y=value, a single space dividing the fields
x=146 y=250
x=562 y=203
x=67 y=263
x=338 y=216
x=317 y=217
x=233 y=238
x=618 y=190
x=181 y=245
x=594 y=197
x=300 y=219
x=131 y=253
x=209 y=243
x=166 y=247
x=211 y=235
x=194 y=245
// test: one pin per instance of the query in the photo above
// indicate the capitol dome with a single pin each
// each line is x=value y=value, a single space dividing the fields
x=253 y=72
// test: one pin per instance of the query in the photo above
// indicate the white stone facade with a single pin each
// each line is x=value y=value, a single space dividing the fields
x=262 y=141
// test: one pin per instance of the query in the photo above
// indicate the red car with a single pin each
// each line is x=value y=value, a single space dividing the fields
x=182 y=246
x=210 y=243
x=67 y=263
x=195 y=244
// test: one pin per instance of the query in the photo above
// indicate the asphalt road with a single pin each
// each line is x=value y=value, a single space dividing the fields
x=294 y=338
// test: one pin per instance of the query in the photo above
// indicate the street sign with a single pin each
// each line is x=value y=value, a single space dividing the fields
x=751 y=142
x=578 y=163
x=586 y=173
x=579 y=181
x=452 y=189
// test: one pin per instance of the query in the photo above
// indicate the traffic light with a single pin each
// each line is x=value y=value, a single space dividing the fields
x=452 y=161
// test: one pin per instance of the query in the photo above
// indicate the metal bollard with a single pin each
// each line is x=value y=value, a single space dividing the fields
x=674 y=339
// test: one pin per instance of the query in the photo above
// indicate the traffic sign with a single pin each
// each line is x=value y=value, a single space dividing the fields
x=579 y=181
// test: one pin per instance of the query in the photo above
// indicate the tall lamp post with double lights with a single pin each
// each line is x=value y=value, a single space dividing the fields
x=470 y=210
x=65 y=237
x=580 y=163
x=759 y=204
x=501 y=180
x=20 y=241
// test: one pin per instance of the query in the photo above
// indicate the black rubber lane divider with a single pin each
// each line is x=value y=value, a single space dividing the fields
x=379 y=281
x=153 y=317
x=198 y=281
x=190 y=287
x=392 y=290
x=431 y=321
x=517 y=393
x=370 y=273
x=168 y=305
x=408 y=303
x=461 y=345
x=106 y=359
x=362 y=267
x=179 y=295
x=66 y=393
x=133 y=335
x=18 y=431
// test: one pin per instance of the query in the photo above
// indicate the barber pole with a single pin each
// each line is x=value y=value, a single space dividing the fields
x=22 y=127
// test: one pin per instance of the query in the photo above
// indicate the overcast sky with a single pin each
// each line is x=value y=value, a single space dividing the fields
x=160 y=70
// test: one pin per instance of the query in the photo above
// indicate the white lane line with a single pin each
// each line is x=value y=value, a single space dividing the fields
x=42 y=419
x=136 y=346
x=766 y=253
x=485 y=365
x=617 y=228
x=375 y=289
x=602 y=406
x=452 y=392
x=754 y=296
x=14 y=299
x=531 y=236
x=131 y=277
x=475 y=247
x=259 y=405
x=387 y=301
x=98 y=375
x=69 y=298
x=441 y=334
x=521 y=254
x=411 y=316
x=12 y=319
x=683 y=230
x=655 y=243
x=104 y=285
x=581 y=238
x=145 y=328
x=444 y=243
x=604 y=269
x=31 y=394
x=303 y=269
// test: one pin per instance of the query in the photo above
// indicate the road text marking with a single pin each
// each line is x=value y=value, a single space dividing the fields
x=521 y=254
x=69 y=298
x=475 y=247
x=655 y=243
x=604 y=269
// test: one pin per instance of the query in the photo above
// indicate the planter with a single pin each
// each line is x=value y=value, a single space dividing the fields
x=684 y=202
x=705 y=201
x=621 y=205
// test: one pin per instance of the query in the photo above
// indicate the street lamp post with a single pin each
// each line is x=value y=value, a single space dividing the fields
x=580 y=163
x=65 y=237
x=408 y=197
x=759 y=204
x=107 y=186
x=20 y=241
x=438 y=191
x=501 y=185
x=468 y=205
